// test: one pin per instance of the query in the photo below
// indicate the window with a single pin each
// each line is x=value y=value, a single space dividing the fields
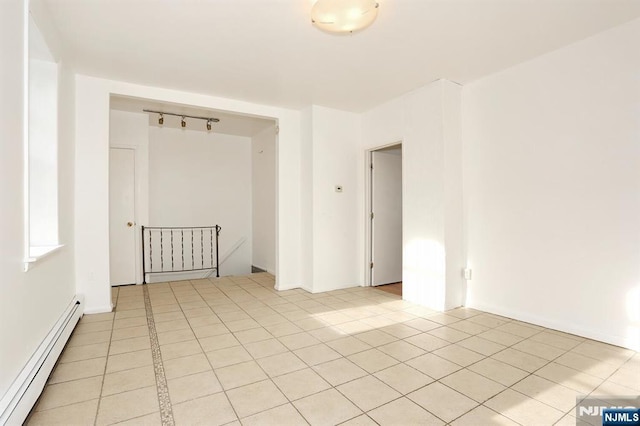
x=41 y=146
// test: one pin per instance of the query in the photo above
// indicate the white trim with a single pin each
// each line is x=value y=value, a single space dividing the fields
x=37 y=253
x=617 y=340
x=25 y=131
x=26 y=388
x=99 y=310
x=368 y=252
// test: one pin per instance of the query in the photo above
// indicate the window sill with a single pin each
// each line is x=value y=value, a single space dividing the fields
x=37 y=253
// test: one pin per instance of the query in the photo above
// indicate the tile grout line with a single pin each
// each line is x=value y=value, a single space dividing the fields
x=106 y=362
x=166 y=409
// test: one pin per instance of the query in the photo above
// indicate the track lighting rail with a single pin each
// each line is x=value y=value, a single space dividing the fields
x=209 y=120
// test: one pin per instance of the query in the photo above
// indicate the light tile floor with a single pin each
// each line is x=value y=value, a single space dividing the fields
x=235 y=351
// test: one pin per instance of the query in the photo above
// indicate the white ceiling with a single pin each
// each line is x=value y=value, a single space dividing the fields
x=230 y=124
x=267 y=51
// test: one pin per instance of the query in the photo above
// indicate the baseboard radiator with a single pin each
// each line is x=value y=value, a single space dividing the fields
x=25 y=390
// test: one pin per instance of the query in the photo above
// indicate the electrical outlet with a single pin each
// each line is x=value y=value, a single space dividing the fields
x=466 y=273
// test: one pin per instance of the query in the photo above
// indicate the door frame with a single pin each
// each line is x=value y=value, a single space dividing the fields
x=137 y=206
x=368 y=188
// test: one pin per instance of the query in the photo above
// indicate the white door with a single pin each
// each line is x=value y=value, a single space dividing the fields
x=386 y=217
x=122 y=229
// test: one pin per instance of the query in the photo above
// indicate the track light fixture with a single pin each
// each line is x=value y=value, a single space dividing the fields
x=183 y=118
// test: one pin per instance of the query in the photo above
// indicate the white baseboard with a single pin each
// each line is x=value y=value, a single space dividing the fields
x=617 y=340
x=27 y=387
x=98 y=309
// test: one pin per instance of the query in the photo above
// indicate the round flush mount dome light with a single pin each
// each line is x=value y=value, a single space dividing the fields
x=344 y=16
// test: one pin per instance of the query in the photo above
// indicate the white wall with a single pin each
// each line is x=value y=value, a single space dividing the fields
x=202 y=179
x=552 y=195
x=31 y=302
x=335 y=214
x=263 y=188
x=425 y=122
x=330 y=236
x=92 y=179
x=131 y=130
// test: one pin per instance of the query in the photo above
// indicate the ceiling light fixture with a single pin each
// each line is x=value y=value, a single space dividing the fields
x=343 y=16
x=183 y=118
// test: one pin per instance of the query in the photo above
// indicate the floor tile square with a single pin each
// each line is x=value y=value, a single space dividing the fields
x=317 y=354
x=193 y=386
x=83 y=413
x=280 y=364
x=368 y=392
x=401 y=350
x=568 y=377
x=522 y=409
x=301 y=383
x=433 y=366
x=67 y=393
x=298 y=341
x=210 y=330
x=521 y=360
x=209 y=410
x=427 y=342
x=449 y=334
x=240 y=374
x=252 y=335
x=218 y=342
x=473 y=385
x=442 y=401
x=458 y=355
x=403 y=378
x=362 y=420
x=557 y=396
x=375 y=338
x=469 y=327
x=127 y=405
x=185 y=366
x=339 y=371
x=180 y=349
x=175 y=336
x=254 y=398
x=228 y=356
x=556 y=340
x=265 y=348
x=483 y=416
x=401 y=331
x=282 y=328
x=241 y=325
x=403 y=411
x=482 y=346
x=498 y=371
x=348 y=345
x=372 y=360
x=538 y=349
x=127 y=380
x=81 y=353
x=422 y=324
x=326 y=408
x=282 y=415
x=78 y=370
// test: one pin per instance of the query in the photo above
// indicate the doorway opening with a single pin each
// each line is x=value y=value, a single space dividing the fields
x=384 y=210
x=184 y=174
